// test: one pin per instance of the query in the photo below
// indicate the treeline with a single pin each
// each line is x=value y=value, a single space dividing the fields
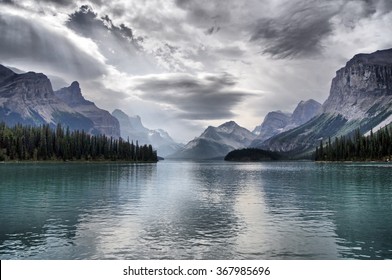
x=45 y=143
x=356 y=147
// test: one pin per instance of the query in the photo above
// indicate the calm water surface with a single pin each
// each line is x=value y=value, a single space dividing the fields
x=196 y=210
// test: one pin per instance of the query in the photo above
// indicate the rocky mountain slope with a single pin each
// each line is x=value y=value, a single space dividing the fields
x=28 y=98
x=277 y=122
x=216 y=142
x=132 y=128
x=360 y=97
x=103 y=121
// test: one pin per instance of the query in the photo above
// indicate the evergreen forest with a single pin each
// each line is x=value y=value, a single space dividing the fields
x=42 y=143
x=356 y=147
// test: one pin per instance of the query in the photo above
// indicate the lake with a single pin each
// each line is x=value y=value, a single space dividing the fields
x=196 y=210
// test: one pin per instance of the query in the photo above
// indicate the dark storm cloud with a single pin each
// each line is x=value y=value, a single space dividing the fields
x=200 y=98
x=116 y=42
x=298 y=32
x=26 y=41
x=7 y=1
x=301 y=26
x=59 y=2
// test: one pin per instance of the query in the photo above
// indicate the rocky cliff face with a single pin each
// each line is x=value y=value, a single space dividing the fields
x=216 y=142
x=28 y=98
x=360 y=97
x=103 y=121
x=365 y=82
x=274 y=123
x=133 y=128
x=305 y=111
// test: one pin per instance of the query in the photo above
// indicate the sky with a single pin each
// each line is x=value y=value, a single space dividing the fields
x=183 y=65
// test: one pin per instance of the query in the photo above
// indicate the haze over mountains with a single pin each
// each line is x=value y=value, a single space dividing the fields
x=133 y=129
x=216 y=142
x=360 y=97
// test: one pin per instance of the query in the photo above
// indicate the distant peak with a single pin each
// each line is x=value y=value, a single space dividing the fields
x=118 y=111
x=380 y=57
x=308 y=102
x=5 y=72
x=229 y=124
x=74 y=88
x=75 y=84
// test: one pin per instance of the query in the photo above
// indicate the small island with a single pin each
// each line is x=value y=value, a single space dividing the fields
x=252 y=154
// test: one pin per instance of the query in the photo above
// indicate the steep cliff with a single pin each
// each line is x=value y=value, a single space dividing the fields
x=103 y=121
x=364 y=83
x=28 y=98
x=360 y=97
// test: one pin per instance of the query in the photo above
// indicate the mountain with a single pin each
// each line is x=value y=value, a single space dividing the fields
x=103 y=121
x=277 y=122
x=305 y=111
x=28 y=98
x=360 y=97
x=216 y=142
x=273 y=123
x=132 y=128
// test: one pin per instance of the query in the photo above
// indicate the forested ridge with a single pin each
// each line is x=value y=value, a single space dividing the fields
x=356 y=147
x=45 y=143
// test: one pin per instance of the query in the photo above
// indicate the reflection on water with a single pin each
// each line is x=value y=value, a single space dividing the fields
x=196 y=210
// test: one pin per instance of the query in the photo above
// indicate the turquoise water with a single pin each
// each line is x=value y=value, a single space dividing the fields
x=196 y=210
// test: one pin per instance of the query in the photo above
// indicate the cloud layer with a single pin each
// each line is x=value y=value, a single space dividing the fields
x=186 y=64
x=201 y=97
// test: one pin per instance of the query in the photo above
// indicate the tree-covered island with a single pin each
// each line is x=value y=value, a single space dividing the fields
x=252 y=154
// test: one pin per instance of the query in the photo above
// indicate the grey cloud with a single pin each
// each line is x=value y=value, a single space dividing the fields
x=199 y=98
x=27 y=42
x=230 y=51
x=212 y=30
x=116 y=42
x=205 y=13
x=301 y=26
x=7 y=1
x=299 y=31
x=370 y=7
x=59 y=2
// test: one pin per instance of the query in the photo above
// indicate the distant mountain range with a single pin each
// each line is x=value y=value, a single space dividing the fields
x=29 y=99
x=360 y=97
x=216 y=142
x=132 y=128
x=277 y=122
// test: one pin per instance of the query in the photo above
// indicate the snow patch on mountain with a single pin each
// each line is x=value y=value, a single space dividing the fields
x=380 y=125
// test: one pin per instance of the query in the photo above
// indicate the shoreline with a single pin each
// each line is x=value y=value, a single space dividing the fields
x=351 y=161
x=75 y=161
